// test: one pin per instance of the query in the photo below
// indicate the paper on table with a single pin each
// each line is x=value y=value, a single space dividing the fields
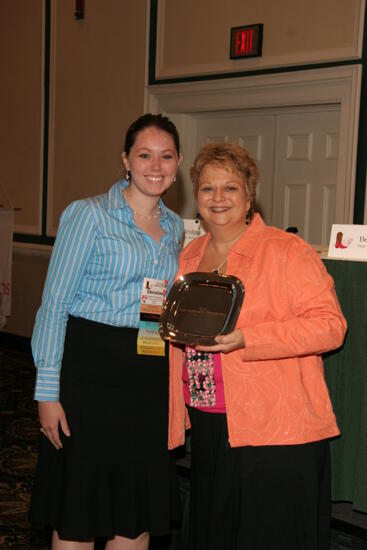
x=348 y=242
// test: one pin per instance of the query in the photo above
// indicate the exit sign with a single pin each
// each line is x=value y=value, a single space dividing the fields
x=246 y=41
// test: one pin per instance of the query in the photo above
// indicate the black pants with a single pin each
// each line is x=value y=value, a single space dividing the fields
x=256 y=498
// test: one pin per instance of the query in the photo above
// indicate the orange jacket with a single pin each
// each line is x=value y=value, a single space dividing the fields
x=274 y=388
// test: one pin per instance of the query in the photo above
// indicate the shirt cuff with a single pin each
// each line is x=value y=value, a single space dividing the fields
x=47 y=385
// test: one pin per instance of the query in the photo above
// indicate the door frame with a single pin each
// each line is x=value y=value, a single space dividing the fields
x=335 y=85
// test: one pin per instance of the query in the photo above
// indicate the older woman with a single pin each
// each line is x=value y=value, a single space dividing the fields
x=260 y=442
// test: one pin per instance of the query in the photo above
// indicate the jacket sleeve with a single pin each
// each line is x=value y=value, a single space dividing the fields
x=71 y=252
x=315 y=324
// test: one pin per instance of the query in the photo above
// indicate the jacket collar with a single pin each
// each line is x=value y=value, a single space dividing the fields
x=245 y=246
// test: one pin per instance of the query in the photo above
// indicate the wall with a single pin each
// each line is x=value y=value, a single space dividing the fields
x=21 y=109
x=96 y=88
x=193 y=37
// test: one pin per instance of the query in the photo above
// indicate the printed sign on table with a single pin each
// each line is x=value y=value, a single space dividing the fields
x=192 y=229
x=348 y=242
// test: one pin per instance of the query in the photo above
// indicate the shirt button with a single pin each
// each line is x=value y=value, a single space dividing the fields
x=155 y=262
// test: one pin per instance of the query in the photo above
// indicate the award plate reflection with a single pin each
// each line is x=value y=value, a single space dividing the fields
x=200 y=306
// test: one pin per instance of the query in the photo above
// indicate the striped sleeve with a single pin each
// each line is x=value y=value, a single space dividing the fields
x=70 y=255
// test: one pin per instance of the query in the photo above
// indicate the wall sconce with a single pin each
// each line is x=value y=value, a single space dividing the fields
x=79 y=9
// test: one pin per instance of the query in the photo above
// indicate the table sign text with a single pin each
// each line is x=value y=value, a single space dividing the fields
x=348 y=242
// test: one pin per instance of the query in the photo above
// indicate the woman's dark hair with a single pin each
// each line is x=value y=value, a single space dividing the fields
x=147 y=121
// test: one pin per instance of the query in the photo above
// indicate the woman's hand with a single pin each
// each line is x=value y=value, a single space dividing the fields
x=51 y=413
x=226 y=343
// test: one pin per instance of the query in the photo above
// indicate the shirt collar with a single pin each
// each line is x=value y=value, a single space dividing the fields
x=116 y=199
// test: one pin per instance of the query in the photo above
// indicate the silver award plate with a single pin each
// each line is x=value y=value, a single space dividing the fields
x=200 y=306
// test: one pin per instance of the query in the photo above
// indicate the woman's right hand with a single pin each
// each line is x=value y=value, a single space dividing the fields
x=51 y=413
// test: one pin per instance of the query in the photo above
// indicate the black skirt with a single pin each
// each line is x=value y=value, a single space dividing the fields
x=114 y=474
x=256 y=498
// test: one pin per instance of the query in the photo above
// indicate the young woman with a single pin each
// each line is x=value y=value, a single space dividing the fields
x=103 y=468
x=260 y=412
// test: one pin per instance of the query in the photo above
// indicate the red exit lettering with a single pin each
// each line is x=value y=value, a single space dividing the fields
x=243 y=42
x=246 y=41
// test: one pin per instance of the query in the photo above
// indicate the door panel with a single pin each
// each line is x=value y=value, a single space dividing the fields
x=306 y=172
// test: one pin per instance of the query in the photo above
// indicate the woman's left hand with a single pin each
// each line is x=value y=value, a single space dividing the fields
x=226 y=343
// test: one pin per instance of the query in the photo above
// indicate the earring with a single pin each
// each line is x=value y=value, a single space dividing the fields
x=248 y=218
x=127 y=176
x=174 y=179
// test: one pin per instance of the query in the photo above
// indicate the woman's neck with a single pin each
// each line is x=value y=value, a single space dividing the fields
x=223 y=239
x=145 y=205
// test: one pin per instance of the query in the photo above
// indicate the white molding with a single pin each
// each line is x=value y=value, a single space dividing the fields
x=258 y=63
x=32 y=249
x=337 y=85
x=306 y=57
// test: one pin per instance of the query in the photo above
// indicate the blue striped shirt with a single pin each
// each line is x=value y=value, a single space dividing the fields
x=96 y=271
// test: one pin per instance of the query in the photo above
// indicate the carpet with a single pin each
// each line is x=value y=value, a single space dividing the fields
x=19 y=433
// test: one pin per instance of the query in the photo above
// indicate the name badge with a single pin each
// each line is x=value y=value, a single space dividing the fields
x=153 y=297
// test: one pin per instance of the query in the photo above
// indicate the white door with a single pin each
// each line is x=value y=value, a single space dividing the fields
x=306 y=172
x=256 y=132
x=297 y=153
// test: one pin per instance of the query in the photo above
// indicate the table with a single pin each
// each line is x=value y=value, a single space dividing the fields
x=346 y=376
